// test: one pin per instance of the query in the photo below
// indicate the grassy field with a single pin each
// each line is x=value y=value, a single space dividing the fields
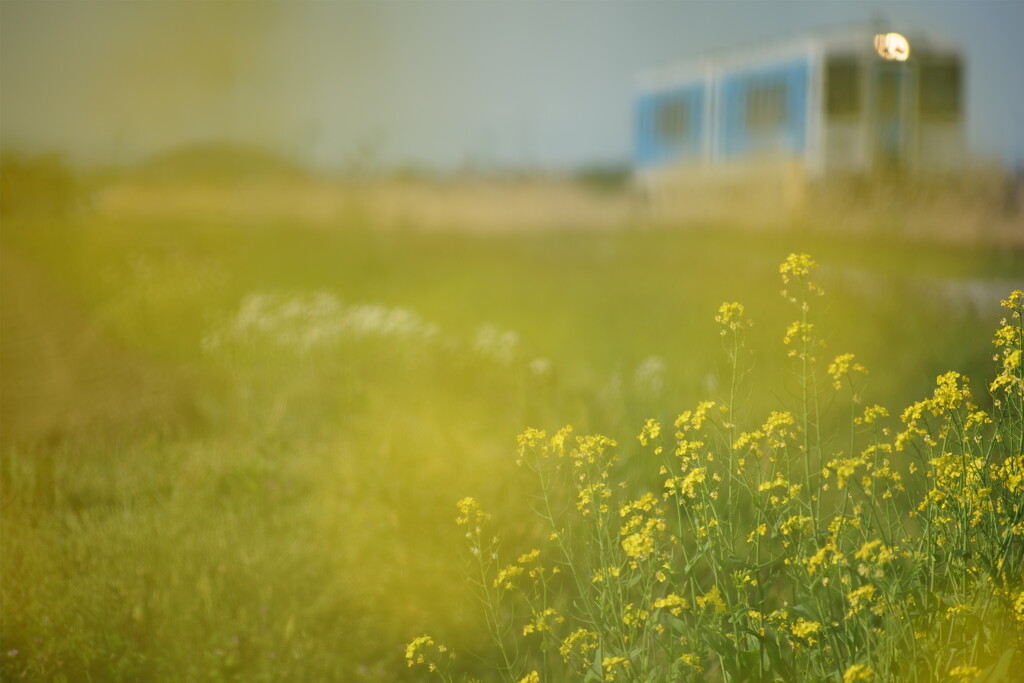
x=232 y=448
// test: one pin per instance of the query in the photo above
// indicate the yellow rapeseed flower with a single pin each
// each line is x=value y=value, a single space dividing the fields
x=798 y=331
x=414 y=650
x=872 y=413
x=685 y=486
x=470 y=512
x=713 y=598
x=506 y=575
x=761 y=530
x=730 y=316
x=799 y=266
x=693 y=661
x=557 y=443
x=965 y=673
x=858 y=672
x=675 y=604
x=805 y=629
x=542 y=621
x=579 y=641
x=1018 y=608
x=867 y=550
x=858 y=598
x=650 y=431
x=604 y=573
x=1014 y=302
x=643 y=504
x=638 y=541
x=610 y=664
x=796 y=265
x=842 y=367
x=633 y=616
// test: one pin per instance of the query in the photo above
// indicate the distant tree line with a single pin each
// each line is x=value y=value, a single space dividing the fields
x=42 y=184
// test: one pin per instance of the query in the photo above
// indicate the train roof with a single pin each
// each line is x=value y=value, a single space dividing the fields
x=857 y=39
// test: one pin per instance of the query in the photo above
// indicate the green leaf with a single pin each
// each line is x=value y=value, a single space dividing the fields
x=1000 y=671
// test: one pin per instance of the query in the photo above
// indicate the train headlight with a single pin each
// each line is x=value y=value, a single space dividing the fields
x=892 y=46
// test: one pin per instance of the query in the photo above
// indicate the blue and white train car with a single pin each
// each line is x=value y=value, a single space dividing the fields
x=849 y=102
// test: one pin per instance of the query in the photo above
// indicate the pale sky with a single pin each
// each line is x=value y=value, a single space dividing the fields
x=542 y=83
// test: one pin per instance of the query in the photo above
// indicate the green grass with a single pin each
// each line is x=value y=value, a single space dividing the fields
x=259 y=513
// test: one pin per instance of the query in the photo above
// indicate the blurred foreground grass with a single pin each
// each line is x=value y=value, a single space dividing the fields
x=231 y=449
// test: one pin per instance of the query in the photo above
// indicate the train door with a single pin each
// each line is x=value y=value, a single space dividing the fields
x=893 y=101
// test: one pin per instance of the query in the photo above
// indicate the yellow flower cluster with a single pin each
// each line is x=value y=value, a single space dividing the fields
x=694 y=419
x=591 y=498
x=951 y=392
x=806 y=630
x=958 y=487
x=580 y=642
x=862 y=597
x=675 y=604
x=543 y=621
x=856 y=673
x=827 y=555
x=775 y=428
x=1014 y=302
x=506 y=575
x=795 y=523
x=875 y=551
x=650 y=431
x=593 y=449
x=846 y=468
x=610 y=665
x=965 y=673
x=1010 y=473
x=798 y=267
x=531 y=439
x=871 y=414
x=775 y=432
x=470 y=513
x=633 y=617
x=948 y=394
x=731 y=316
x=414 y=651
x=603 y=573
x=1010 y=340
x=789 y=491
x=761 y=530
x=638 y=536
x=1018 y=608
x=713 y=598
x=691 y=421
x=842 y=367
x=644 y=503
x=422 y=651
x=799 y=331
x=685 y=486
x=693 y=661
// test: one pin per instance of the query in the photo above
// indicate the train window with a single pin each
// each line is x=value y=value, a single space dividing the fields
x=766 y=105
x=941 y=85
x=672 y=121
x=842 y=87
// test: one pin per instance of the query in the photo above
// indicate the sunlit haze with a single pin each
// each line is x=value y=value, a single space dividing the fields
x=512 y=342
